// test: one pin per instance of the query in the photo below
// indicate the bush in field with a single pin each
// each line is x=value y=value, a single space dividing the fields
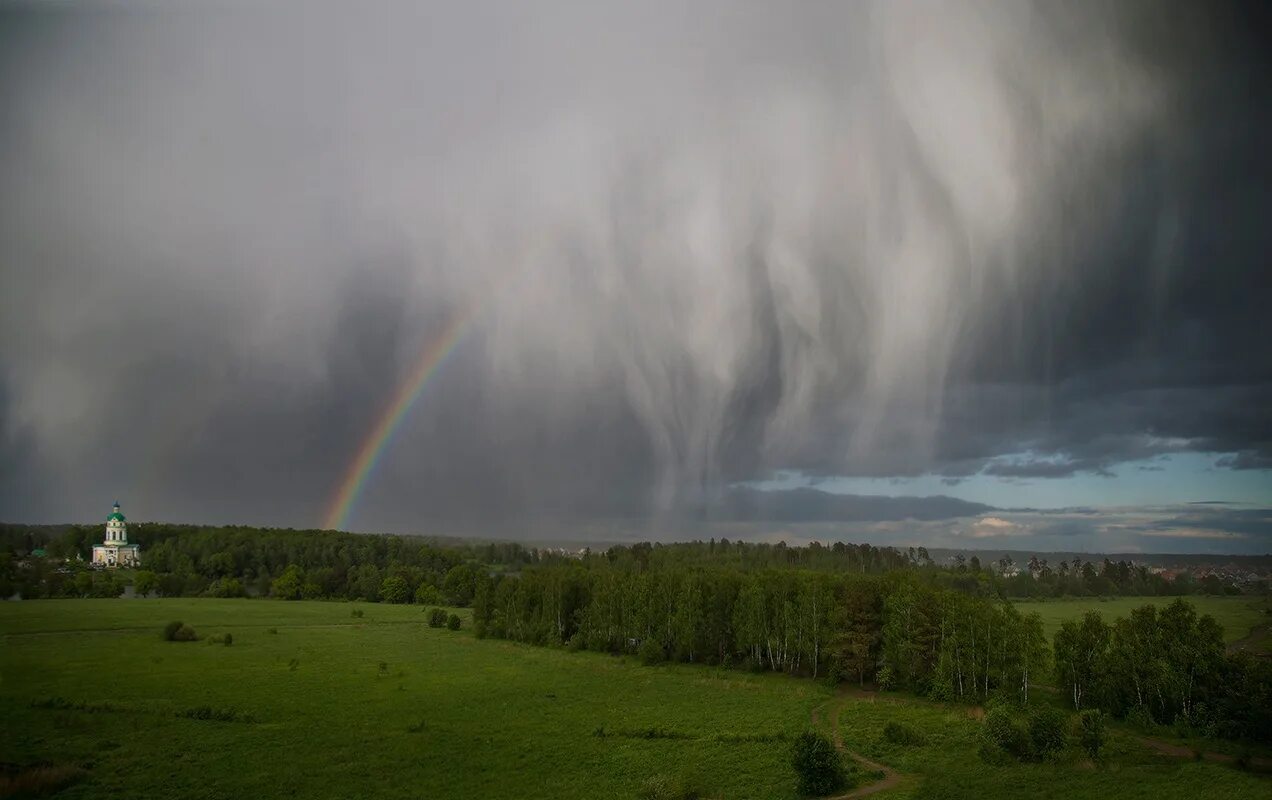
x=229 y=639
x=1005 y=734
x=1091 y=731
x=651 y=653
x=1046 y=732
x=453 y=622
x=1140 y=717
x=436 y=618
x=177 y=631
x=356 y=613
x=819 y=768
x=905 y=735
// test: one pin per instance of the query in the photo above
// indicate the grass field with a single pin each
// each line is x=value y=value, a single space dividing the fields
x=948 y=765
x=449 y=716
x=383 y=706
x=1237 y=615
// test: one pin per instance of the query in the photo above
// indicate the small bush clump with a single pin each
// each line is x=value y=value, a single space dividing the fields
x=819 y=767
x=453 y=622
x=1005 y=735
x=904 y=735
x=650 y=653
x=437 y=618
x=177 y=631
x=356 y=613
x=1046 y=732
x=1091 y=731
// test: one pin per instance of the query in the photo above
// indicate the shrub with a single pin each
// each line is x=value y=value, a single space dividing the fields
x=819 y=768
x=177 y=631
x=1091 y=731
x=885 y=678
x=356 y=613
x=453 y=622
x=436 y=618
x=650 y=653
x=229 y=639
x=271 y=630
x=1046 y=732
x=905 y=735
x=1140 y=717
x=1002 y=731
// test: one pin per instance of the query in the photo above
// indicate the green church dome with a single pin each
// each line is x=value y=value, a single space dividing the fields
x=115 y=516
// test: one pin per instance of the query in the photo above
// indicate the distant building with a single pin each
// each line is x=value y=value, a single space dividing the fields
x=116 y=551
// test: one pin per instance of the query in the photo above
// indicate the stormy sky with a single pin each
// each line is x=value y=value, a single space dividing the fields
x=965 y=274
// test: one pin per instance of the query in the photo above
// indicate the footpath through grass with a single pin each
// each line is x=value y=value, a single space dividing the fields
x=378 y=706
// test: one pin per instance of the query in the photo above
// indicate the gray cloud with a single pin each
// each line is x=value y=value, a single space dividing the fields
x=702 y=244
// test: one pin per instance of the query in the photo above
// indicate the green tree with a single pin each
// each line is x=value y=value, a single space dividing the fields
x=427 y=594
x=144 y=582
x=460 y=584
x=395 y=590
x=288 y=585
x=1081 y=655
x=819 y=767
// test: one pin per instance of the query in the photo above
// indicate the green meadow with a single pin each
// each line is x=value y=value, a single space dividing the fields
x=1238 y=615
x=314 y=701
x=377 y=706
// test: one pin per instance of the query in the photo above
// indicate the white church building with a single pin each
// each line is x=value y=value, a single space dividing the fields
x=116 y=551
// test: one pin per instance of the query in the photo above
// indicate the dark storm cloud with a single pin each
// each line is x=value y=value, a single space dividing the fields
x=705 y=244
x=811 y=505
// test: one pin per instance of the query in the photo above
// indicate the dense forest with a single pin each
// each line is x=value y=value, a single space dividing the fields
x=843 y=612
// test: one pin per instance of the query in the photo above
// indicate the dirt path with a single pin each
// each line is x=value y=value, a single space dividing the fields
x=1182 y=751
x=890 y=776
x=1255 y=642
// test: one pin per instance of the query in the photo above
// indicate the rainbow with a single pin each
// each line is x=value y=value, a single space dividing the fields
x=363 y=465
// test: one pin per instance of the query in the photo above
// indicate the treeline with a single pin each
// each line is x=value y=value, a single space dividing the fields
x=187 y=560
x=1079 y=578
x=1166 y=667
x=894 y=629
